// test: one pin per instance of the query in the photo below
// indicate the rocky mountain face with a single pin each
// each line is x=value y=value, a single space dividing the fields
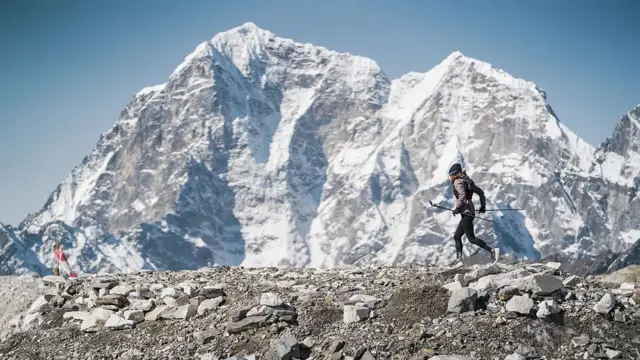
x=261 y=151
x=505 y=312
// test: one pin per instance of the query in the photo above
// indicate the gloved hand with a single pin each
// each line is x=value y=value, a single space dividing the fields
x=482 y=209
x=456 y=212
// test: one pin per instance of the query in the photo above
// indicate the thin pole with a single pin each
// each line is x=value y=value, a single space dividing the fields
x=505 y=210
x=444 y=208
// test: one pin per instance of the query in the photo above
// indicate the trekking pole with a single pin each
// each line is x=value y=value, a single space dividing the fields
x=444 y=208
x=504 y=210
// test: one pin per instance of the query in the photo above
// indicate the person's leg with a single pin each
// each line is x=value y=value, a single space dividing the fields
x=457 y=237
x=467 y=226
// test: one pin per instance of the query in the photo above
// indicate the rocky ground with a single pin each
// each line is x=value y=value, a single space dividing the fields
x=500 y=312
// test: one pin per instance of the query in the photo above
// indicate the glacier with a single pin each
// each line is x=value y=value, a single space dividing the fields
x=262 y=151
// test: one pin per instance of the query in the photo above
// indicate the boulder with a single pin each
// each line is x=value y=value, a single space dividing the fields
x=104 y=284
x=542 y=284
x=572 y=281
x=246 y=324
x=515 y=356
x=371 y=301
x=520 y=304
x=76 y=315
x=241 y=313
x=286 y=315
x=53 y=280
x=115 y=322
x=547 y=308
x=455 y=285
x=211 y=291
x=113 y=299
x=144 y=305
x=170 y=292
x=122 y=289
x=91 y=324
x=606 y=304
x=553 y=265
x=197 y=300
x=156 y=313
x=183 y=312
x=102 y=314
x=462 y=300
x=177 y=302
x=286 y=347
x=209 y=305
x=354 y=313
x=204 y=336
x=271 y=299
x=486 y=270
x=156 y=287
x=137 y=316
x=260 y=310
x=41 y=305
x=32 y=321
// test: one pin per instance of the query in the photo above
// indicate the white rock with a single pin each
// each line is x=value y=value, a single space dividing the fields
x=260 y=310
x=209 y=305
x=180 y=301
x=137 y=316
x=208 y=356
x=520 y=305
x=606 y=304
x=183 y=312
x=169 y=292
x=80 y=301
x=32 y=321
x=453 y=286
x=370 y=301
x=271 y=299
x=515 y=356
x=91 y=324
x=41 y=305
x=553 y=265
x=156 y=313
x=53 y=280
x=189 y=289
x=547 y=308
x=197 y=300
x=122 y=289
x=102 y=314
x=627 y=286
x=103 y=292
x=572 y=281
x=462 y=300
x=612 y=354
x=156 y=287
x=115 y=322
x=76 y=315
x=355 y=313
x=144 y=305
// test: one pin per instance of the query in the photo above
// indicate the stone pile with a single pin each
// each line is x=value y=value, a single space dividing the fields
x=111 y=305
x=487 y=312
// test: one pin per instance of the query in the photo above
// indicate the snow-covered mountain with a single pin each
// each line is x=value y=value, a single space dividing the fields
x=262 y=151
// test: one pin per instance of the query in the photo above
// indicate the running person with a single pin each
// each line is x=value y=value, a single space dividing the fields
x=463 y=190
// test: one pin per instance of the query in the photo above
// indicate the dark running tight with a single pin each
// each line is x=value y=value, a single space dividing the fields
x=466 y=227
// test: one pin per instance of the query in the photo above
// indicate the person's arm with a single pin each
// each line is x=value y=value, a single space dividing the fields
x=462 y=193
x=483 y=199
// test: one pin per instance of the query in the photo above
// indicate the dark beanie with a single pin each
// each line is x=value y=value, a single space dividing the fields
x=455 y=169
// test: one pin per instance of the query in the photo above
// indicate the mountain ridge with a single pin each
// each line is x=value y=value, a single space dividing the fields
x=263 y=151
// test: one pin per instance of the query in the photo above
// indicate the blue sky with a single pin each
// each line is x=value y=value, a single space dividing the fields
x=69 y=67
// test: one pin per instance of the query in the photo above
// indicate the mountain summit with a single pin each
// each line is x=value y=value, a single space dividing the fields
x=261 y=151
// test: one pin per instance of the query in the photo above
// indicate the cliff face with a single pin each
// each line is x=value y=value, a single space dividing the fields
x=262 y=151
